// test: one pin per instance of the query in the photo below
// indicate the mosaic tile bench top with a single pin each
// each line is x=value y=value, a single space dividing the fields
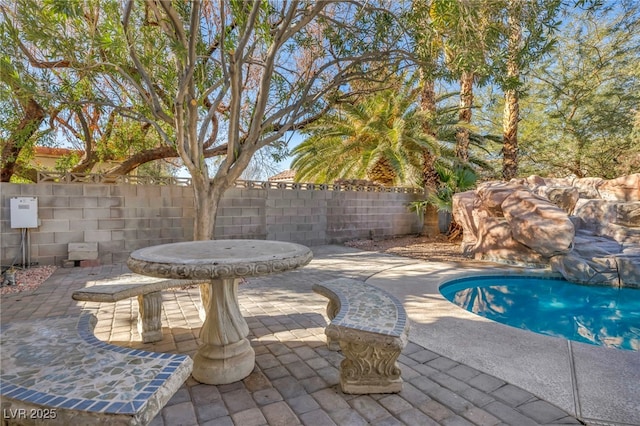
x=59 y=363
x=376 y=310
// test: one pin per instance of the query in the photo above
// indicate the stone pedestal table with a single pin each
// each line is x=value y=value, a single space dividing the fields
x=225 y=355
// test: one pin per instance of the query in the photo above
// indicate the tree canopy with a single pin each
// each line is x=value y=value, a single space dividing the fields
x=584 y=97
x=221 y=78
x=379 y=138
x=144 y=80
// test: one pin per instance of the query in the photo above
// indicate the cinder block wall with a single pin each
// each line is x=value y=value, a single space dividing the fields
x=122 y=218
x=377 y=215
x=298 y=216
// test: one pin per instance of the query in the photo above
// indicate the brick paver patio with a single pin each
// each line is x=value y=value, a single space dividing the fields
x=296 y=376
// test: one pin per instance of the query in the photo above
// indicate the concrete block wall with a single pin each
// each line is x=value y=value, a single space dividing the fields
x=122 y=218
x=299 y=216
x=377 y=215
x=314 y=217
x=242 y=214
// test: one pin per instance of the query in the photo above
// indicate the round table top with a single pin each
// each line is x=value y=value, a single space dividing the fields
x=218 y=259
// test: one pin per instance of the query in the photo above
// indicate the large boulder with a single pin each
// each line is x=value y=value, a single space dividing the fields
x=624 y=188
x=629 y=269
x=538 y=224
x=587 y=270
x=593 y=213
x=627 y=214
x=490 y=196
x=564 y=197
x=587 y=229
x=496 y=243
x=559 y=182
x=588 y=187
x=599 y=260
x=534 y=181
x=462 y=205
x=614 y=219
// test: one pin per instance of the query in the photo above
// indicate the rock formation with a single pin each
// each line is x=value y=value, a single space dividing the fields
x=586 y=229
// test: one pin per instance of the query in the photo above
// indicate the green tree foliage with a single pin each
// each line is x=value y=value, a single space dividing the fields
x=455 y=179
x=379 y=137
x=584 y=98
x=225 y=78
x=21 y=115
x=495 y=41
x=527 y=36
x=467 y=33
x=53 y=71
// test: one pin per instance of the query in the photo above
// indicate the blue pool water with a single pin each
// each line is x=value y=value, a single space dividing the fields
x=603 y=316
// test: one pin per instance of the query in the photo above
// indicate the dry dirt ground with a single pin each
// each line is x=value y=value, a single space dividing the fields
x=437 y=249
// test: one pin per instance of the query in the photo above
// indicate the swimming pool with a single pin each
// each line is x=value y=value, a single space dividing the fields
x=603 y=316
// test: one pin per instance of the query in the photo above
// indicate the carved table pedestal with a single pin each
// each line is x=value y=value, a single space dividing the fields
x=225 y=356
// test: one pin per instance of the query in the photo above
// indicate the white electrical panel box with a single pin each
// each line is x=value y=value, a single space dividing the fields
x=24 y=212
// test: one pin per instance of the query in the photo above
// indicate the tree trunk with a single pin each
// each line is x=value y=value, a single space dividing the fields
x=430 y=179
x=87 y=163
x=466 y=101
x=382 y=173
x=510 y=135
x=207 y=199
x=430 y=225
x=33 y=116
x=143 y=157
x=511 y=106
x=26 y=172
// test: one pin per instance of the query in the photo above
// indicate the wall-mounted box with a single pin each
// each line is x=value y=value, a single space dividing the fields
x=24 y=212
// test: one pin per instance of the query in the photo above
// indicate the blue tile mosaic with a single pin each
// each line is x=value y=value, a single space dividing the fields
x=44 y=399
x=99 y=406
x=115 y=407
x=70 y=403
x=137 y=405
x=126 y=409
x=58 y=362
x=85 y=404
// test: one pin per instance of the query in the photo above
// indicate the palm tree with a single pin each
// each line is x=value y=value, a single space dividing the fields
x=390 y=140
x=451 y=41
x=379 y=138
x=453 y=179
x=527 y=36
x=512 y=106
x=465 y=32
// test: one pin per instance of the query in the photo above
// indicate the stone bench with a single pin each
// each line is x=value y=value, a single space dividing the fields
x=55 y=371
x=370 y=327
x=149 y=301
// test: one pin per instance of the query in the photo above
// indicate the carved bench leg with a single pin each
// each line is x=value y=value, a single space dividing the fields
x=369 y=369
x=332 y=310
x=149 y=316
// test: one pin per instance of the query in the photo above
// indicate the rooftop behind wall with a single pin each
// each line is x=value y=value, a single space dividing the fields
x=122 y=217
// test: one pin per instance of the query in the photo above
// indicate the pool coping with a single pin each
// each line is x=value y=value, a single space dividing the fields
x=596 y=384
